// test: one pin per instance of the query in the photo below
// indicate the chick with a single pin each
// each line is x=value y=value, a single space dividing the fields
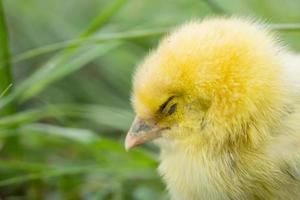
x=221 y=98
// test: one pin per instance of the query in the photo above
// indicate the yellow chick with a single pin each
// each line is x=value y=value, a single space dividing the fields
x=221 y=98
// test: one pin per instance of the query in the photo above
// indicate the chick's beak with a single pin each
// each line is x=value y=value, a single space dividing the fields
x=140 y=132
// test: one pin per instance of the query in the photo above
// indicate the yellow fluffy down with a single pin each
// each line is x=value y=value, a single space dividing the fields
x=235 y=132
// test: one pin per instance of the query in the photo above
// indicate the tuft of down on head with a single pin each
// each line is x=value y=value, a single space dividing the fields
x=216 y=81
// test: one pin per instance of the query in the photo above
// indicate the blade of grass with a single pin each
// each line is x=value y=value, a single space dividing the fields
x=5 y=66
x=47 y=74
x=286 y=27
x=79 y=135
x=6 y=90
x=58 y=171
x=79 y=60
x=103 y=18
x=85 y=137
x=10 y=144
x=56 y=63
x=107 y=149
x=215 y=7
x=47 y=174
x=113 y=117
x=20 y=165
x=104 y=148
x=127 y=35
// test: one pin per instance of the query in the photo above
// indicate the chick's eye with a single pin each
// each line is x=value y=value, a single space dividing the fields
x=169 y=107
x=172 y=109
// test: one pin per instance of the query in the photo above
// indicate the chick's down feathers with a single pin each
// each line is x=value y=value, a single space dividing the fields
x=221 y=98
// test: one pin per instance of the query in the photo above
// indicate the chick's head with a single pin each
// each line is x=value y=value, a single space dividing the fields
x=209 y=82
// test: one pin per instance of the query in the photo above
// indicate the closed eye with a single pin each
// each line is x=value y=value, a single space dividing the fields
x=172 y=109
x=164 y=105
x=168 y=107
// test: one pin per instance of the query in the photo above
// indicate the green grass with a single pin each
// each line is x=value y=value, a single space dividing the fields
x=65 y=81
x=5 y=67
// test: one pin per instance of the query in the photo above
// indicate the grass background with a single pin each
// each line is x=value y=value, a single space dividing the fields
x=65 y=79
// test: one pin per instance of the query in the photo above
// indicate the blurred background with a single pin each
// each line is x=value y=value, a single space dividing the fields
x=64 y=117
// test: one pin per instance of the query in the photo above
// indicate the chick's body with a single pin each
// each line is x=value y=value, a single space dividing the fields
x=227 y=98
